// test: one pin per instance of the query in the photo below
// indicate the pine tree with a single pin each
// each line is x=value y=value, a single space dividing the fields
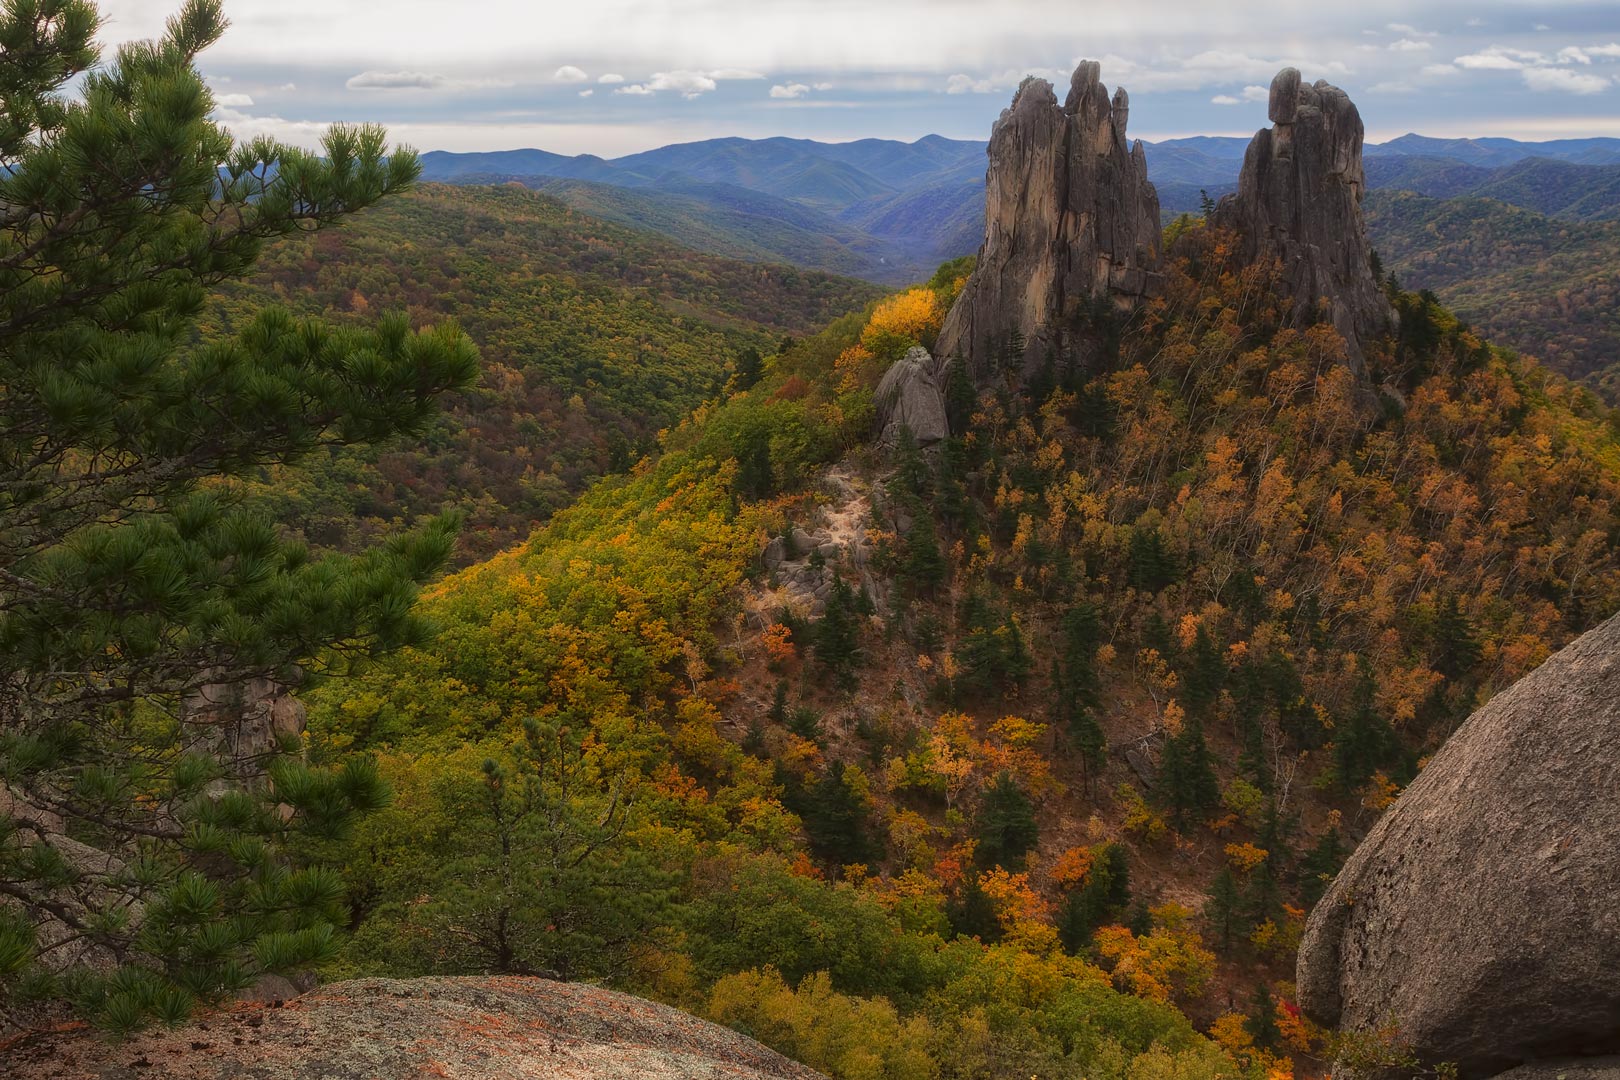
x=1456 y=650
x=1262 y=1020
x=1223 y=908
x=1007 y=826
x=835 y=818
x=1102 y=899
x=1363 y=741
x=131 y=577
x=749 y=368
x=971 y=912
x=838 y=634
x=1186 y=773
x=1077 y=689
x=1204 y=674
x=1320 y=864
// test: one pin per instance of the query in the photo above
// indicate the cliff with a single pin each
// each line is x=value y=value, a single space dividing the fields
x=1070 y=221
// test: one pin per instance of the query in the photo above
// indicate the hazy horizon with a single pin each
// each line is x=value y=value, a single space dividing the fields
x=622 y=76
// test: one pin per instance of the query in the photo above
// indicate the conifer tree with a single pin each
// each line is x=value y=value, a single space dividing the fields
x=1363 y=741
x=1186 y=772
x=131 y=578
x=1076 y=686
x=971 y=912
x=835 y=818
x=1007 y=826
x=1223 y=909
x=838 y=634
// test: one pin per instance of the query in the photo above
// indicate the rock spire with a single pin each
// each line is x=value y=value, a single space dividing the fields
x=1299 y=201
x=1070 y=220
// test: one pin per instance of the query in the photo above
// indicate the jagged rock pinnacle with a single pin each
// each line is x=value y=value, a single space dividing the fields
x=1070 y=219
x=1299 y=201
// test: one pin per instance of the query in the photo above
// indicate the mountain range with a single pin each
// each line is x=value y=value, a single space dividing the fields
x=890 y=211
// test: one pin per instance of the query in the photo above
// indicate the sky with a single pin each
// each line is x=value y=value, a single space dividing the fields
x=613 y=77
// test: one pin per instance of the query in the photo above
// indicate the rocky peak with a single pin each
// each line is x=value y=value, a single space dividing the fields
x=1070 y=220
x=1299 y=201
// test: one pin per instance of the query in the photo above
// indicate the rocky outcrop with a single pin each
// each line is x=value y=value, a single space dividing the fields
x=1480 y=915
x=472 y=1028
x=911 y=397
x=1299 y=201
x=1070 y=220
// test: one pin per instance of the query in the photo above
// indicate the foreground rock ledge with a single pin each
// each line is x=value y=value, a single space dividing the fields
x=480 y=1028
x=1481 y=915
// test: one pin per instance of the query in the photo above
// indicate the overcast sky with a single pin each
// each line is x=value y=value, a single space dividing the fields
x=616 y=76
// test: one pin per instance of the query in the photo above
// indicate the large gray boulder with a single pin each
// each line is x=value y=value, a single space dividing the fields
x=1481 y=915
x=1299 y=201
x=1070 y=222
x=476 y=1028
x=911 y=397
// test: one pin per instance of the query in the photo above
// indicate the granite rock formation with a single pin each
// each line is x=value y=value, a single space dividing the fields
x=1299 y=201
x=911 y=397
x=487 y=1028
x=1071 y=222
x=1480 y=914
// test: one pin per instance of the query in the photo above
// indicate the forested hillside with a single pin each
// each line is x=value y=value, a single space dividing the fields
x=593 y=337
x=1069 y=735
x=1547 y=286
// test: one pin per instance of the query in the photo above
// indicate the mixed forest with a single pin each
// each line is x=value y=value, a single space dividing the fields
x=1023 y=754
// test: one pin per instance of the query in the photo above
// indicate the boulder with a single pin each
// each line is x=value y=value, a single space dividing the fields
x=1481 y=915
x=1299 y=201
x=1071 y=228
x=477 y=1028
x=911 y=397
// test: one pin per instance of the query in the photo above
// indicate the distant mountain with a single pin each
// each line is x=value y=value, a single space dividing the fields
x=1537 y=283
x=1494 y=153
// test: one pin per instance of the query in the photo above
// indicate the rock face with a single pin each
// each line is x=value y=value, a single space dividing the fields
x=1299 y=201
x=473 y=1028
x=1070 y=220
x=911 y=397
x=1482 y=913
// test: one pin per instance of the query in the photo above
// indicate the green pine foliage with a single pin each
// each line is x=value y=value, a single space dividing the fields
x=163 y=863
x=1006 y=825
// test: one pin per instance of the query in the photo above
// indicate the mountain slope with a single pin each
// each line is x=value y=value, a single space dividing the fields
x=593 y=337
x=1546 y=286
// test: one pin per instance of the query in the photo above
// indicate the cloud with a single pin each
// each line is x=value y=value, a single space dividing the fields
x=568 y=73
x=286 y=88
x=611 y=79
x=1225 y=99
x=586 y=93
x=791 y=90
x=1439 y=70
x=396 y=80
x=967 y=84
x=1564 y=81
x=688 y=84
x=1572 y=54
x=633 y=90
x=1488 y=60
x=1610 y=51
x=1408 y=45
x=233 y=101
x=1409 y=30
x=734 y=73
x=823 y=86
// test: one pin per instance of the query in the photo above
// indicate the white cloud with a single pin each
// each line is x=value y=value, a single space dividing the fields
x=967 y=84
x=1488 y=61
x=823 y=86
x=1610 y=51
x=1439 y=70
x=1540 y=26
x=286 y=88
x=1564 y=81
x=1409 y=30
x=734 y=73
x=396 y=80
x=688 y=84
x=1225 y=99
x=1408 y=45
x=586 y=93
x=1573 y=54
x=1257 y=93
x=633 y=90
x=791 y=90
x=611 y=79
x=233 y=101
x=568 y=73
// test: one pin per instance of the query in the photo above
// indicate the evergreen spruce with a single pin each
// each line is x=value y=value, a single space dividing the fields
x=838 y=634
x=971 y=912
x=835 y=818
x=1363 y=741
x=1223 y=910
